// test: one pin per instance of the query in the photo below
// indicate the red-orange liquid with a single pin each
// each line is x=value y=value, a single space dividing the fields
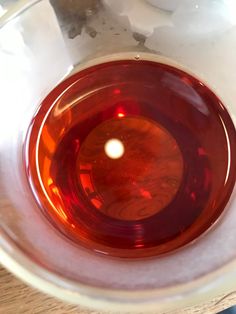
x=167 y=186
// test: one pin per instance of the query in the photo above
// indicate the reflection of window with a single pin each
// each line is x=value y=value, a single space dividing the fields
x=57 y=201
x=87 y=184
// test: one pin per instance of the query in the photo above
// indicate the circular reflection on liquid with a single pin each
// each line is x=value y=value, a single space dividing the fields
x=125 y=180
x=114 y=148
x=163 y=190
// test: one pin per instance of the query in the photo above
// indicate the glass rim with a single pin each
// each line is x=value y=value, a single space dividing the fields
x=17 y=262
x=16 y=9
x=179 y=295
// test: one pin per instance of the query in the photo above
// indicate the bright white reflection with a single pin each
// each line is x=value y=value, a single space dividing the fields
x=114 y=148
x=2 y=11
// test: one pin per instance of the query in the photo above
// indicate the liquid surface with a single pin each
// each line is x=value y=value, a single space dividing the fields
x=131 y=158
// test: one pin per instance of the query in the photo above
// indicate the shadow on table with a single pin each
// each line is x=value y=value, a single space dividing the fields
x=231 y=310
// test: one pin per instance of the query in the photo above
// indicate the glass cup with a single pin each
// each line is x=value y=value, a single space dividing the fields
x=43 y=42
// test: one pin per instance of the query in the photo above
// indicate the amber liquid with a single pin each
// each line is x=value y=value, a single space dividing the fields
x=131 y=158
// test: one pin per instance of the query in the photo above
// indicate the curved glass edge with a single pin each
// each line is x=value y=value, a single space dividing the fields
x=16 y=9
x=169 y=298
x=176 y=297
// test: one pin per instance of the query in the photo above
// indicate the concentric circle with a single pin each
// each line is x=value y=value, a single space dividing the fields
x=169 y=182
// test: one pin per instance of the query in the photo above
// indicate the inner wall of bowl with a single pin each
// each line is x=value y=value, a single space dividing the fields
x=34 y=57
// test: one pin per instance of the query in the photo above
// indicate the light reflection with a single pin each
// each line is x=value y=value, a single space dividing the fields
x=116 y=91
x=58 y=208
x=120 y=115
x=2 y=10
x=97 y=203
x=87 y=184
x=146 y=194
x=120 y=112
x=186 y=91
x=50 y=181
x=60 y=105
x=114 y=148
x=229 y=151
x=49 y=142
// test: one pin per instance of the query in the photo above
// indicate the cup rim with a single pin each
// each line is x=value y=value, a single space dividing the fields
x=178 y=296
x=16 y=9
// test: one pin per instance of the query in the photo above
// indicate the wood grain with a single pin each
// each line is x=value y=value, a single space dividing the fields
x=18 y=298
